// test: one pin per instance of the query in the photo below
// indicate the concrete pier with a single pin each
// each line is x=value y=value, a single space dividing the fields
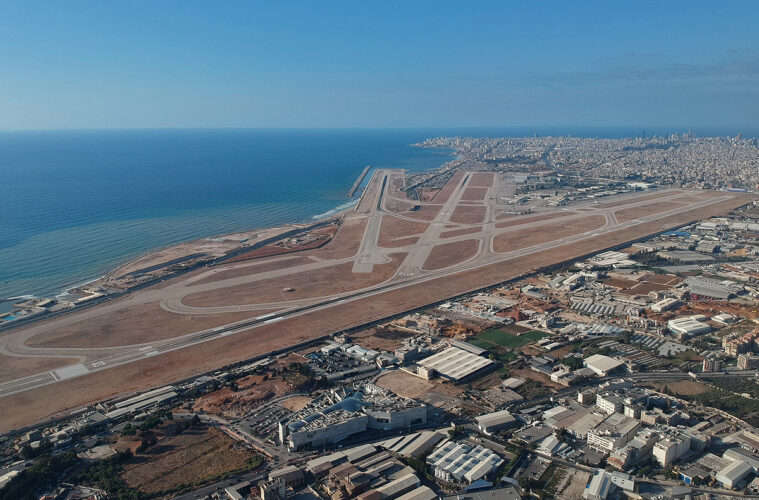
x=358 y=182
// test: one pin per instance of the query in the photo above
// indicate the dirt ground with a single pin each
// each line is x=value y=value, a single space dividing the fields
x=404 y=384
x=223 y=273
x=215 y=246
x=522 y=238
x=450 y=186
x=636 y=199
x=541 y=378
x=188 y=457
x=481 y=179
x=425 y=212
x=448 y=254
x=395 y=206
x=133 y=325
x=572 y=486
x=467 y=214
x=474 y=194
x=30 y=406
x=632 y=213
x=317 y=283
x=679 y=388
x=371 y=340
x=394 y=229
x=12 y=367
x=460 y=232
x=251 y=392
x=295 y=403
x=346 y=241
x=527 y=220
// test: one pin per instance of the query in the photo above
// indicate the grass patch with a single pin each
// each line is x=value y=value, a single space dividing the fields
x=500 y=337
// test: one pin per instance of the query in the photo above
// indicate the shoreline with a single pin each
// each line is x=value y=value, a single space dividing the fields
x=335 y=213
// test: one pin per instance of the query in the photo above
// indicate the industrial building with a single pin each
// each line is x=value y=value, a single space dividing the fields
x=141 y=402
x=460 y=462
x=506 y=493
x=343 y=413
x=614 y=432
x=688 y=326
x=734 y=474
x=495 y=422
x=711 y=289
x=602 y=483
x=455 y=364
x=741 y=455
x=665 y=305
x=413 y=445
x=671 y=448
x=602 y=365
x=366 y=473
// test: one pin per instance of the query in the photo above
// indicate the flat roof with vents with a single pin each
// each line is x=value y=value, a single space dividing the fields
x=455 y=364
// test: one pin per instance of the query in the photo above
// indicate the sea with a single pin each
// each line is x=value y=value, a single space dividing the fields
x=76 y=204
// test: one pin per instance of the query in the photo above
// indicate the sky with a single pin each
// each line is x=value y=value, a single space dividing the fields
x=164 y=64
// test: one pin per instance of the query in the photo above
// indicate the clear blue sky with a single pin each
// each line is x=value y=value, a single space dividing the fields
x=103 y=64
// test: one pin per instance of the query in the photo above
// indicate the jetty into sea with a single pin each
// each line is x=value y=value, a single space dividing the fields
x=358 y=182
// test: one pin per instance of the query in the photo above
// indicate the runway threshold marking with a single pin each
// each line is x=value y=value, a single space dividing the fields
x=71 y=371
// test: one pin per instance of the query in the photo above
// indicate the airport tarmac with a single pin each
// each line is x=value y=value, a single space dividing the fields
x=318 y=284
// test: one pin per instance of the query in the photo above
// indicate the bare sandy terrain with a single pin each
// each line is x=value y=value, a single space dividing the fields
x=318 y=283
x=460 y=232
x=516 y=221
x=133 y=325
x=474 y=193
x=523 y=238
x=639 y=198
x=465 y=214
x=448 y=254
x=481 y=179
x=215 y=246
x=425 y=212
x=179 y=460
x=345 y=243
x=393 y=228
x=234 y=272
x=12 y=367
x=450 y=187
x=654 y=207
x=405 y=385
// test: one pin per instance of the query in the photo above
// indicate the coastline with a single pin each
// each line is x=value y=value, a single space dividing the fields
x=333 y=214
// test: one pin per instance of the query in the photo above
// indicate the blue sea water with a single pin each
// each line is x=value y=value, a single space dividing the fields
x=75 y=204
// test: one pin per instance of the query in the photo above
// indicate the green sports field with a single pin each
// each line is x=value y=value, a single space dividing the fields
x=499 y=337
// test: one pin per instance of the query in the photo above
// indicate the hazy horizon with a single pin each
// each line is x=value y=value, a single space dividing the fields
x=88 y=65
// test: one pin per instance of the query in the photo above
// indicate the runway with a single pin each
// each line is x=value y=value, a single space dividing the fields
x=316 y=290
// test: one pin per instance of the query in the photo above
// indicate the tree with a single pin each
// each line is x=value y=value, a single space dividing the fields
x=455 y=432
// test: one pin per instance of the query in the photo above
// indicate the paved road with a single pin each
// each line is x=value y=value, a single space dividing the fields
x=373 y=206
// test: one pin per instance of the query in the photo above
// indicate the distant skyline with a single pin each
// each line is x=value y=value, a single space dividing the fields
x=90 y=65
